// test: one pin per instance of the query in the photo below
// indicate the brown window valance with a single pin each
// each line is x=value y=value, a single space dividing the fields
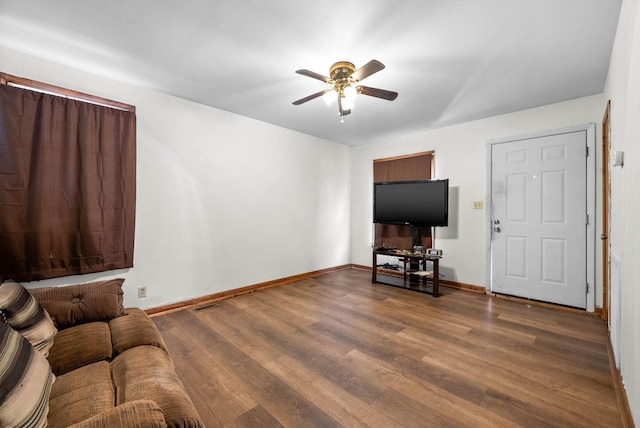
x=67 y=186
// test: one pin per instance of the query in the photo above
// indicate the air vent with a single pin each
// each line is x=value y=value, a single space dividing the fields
x=207 y=306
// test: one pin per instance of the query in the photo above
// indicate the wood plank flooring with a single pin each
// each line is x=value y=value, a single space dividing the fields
x=338 y=351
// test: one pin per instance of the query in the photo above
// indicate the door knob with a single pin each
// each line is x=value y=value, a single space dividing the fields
x=496 y=229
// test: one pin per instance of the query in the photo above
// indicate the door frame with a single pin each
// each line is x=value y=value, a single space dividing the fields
x=606 y=196
x=590 y=129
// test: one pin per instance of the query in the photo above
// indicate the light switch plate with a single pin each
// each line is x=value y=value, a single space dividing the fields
x=617 y=159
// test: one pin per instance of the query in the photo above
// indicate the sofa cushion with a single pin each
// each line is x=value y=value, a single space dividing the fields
x=147 y=372
x=76 y=304
x=22 y=312
x=135 y=414
x=80 y=345
x=25 y=382
x=81 y=394
x=134 y=329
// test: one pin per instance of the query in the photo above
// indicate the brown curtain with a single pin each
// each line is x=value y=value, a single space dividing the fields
x=406 y=168
x=67 y=186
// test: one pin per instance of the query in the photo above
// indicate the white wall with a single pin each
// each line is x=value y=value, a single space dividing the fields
x=623 y=88
x=223 y=201
x=460 y=155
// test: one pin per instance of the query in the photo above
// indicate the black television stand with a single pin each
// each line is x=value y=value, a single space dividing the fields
x=412 y=279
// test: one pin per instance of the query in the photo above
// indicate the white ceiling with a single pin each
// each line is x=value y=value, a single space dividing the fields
x=451 y=61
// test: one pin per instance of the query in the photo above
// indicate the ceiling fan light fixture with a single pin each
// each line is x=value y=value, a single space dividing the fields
x=329 y=97
x=348 y=98
x=350 y=93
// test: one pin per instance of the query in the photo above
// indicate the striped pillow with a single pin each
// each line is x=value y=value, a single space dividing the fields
x=23 y=312
x=25 y=382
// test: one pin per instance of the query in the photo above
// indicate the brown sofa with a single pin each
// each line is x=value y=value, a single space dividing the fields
x=111 y=364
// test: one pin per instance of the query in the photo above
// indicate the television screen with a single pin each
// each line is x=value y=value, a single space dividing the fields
x=414 y=203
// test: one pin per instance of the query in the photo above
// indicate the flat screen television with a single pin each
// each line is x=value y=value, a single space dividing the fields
x=413 y=203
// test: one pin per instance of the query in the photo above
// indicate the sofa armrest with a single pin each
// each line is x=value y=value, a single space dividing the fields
x=134 y=414
x=134 y=329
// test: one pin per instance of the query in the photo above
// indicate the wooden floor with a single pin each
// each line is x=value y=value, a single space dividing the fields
x=338 y=351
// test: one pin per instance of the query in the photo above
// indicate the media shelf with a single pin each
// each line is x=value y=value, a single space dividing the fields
x=416 y=278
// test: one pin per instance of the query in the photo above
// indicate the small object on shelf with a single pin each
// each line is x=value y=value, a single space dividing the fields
x=427 y=273
x=433 y=252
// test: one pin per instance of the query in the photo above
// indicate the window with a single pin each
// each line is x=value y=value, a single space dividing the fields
x=417 y=166
x=67 y=181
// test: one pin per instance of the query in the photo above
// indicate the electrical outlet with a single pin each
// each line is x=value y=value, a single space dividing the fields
x=142 y=292
x=477 y=205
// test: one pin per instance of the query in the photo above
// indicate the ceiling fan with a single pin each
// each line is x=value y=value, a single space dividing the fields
x=343 y=78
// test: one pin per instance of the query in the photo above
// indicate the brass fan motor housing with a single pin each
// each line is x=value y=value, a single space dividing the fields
x=341 y=70
x=340 y=73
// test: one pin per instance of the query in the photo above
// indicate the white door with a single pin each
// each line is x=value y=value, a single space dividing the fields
x=539 y=218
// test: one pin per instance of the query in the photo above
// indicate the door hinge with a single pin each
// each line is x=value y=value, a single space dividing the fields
x=587 y=219
x=587 y=288
x=587 y=151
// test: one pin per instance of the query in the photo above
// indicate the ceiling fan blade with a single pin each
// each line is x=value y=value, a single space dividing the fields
x=367 y=70
x=313 y=75
x=311 y=97
x=378 y=93
x=341 y=110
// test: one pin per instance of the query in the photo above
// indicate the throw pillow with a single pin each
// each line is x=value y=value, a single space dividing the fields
x=82 y=303
x=25 y=382
x=22 y=312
